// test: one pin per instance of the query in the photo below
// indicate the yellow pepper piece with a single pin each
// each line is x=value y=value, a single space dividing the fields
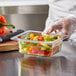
x=31 y=35
x=45 y=45
x=43 y=48
x=35 y=37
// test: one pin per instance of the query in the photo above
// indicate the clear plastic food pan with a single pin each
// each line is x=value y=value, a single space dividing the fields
x=35 y=43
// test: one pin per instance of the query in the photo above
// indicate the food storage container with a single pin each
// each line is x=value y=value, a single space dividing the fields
x=39 y=47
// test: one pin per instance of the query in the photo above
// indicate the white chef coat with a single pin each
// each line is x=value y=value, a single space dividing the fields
x=59 y=9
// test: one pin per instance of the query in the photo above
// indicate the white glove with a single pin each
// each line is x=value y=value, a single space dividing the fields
x=65 y=26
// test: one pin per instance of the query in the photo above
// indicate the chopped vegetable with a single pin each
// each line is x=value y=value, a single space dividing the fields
x=31 y=36
x=48 y=38
x=43 y=48
x=35 y=38
x=40 y=38
x=27 y=38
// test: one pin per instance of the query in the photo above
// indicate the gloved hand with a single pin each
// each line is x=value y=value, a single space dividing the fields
x=65 y=26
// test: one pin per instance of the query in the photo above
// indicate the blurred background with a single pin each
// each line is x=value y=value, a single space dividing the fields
x=25 y=14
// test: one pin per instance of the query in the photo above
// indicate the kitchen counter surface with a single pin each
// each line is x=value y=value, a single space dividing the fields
x=61 y=64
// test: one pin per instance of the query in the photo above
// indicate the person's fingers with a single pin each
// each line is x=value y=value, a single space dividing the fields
x=53 y=28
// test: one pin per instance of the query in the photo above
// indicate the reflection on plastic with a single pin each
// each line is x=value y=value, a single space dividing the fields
x=36 y=66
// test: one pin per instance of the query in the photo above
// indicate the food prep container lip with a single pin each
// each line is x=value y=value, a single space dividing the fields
x=37 y=41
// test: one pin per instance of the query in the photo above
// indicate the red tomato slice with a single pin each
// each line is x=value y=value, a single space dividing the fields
x=40 y=38
x=47 y=53
x=44 y=53
x=27 y=42
x=19 y=36
x=35 y=51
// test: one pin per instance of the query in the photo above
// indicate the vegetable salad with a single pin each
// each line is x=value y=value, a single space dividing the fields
x=42 y=45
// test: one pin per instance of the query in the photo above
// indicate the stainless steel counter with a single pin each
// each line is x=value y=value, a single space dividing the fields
x=62 y=64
